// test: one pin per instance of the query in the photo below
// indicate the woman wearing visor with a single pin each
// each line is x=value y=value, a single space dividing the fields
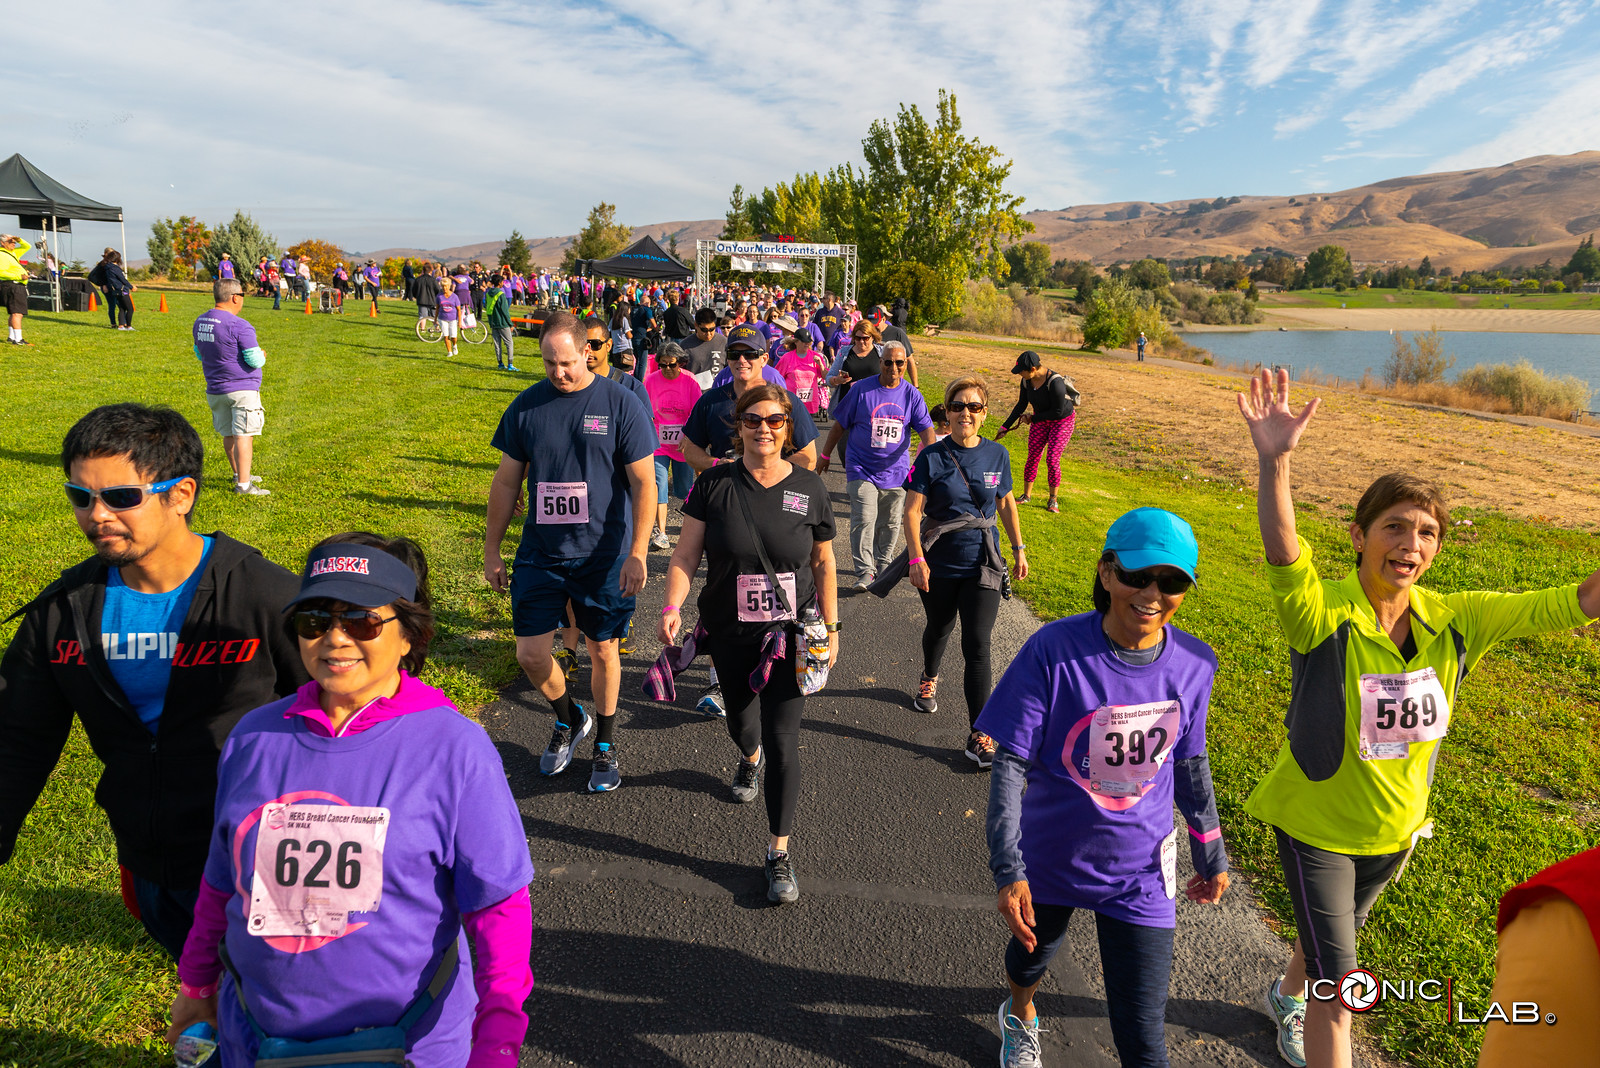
x=363 y=829
x=1102 y=718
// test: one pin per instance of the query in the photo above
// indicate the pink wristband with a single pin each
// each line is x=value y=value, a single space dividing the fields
x=198 y=993
x=668 y=608
x=917 y=560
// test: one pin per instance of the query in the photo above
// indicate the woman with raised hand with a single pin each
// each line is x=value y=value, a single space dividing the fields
x=765 y=528
x=1099 y=726
x=363 y=830
x=1376 y=660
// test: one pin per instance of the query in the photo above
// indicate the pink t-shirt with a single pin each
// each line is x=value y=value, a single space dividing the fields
x=803 y=375
x=671 y=401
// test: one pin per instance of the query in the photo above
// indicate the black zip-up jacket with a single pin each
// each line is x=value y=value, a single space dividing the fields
x=235 y=653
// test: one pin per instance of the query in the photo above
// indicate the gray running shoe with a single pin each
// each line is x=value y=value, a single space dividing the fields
x=747 y=780
x=605 y=776
x=1019 y=1042
x=927 y=699
x=710 y=704
x=559 y=753
x=866 y=581
x=782 y=886
x=1290 y=1016
x=659 y=540
x=251 y=489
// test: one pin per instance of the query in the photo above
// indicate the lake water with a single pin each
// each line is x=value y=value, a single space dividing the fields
x=1347 y=353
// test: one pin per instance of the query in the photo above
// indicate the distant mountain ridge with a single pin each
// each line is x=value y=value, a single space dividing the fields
x=1520 y=213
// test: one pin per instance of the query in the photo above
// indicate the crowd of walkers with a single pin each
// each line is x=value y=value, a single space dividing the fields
x=294 y=807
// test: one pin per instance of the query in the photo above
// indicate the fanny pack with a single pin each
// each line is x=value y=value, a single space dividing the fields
x=367 y=1047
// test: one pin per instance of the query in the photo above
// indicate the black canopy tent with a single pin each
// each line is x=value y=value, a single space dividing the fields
x=44 y=204
x=644 y=260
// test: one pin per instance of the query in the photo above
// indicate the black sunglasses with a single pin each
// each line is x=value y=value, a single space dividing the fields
x=361 y=624
x=957 y=407
x=1169 y=583
x=598 y=343
x=751 y=420
x=666 y=365
x=893 y=363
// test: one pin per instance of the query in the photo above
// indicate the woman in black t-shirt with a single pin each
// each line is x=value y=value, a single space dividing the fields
x=789 y=510
x=1054 y=400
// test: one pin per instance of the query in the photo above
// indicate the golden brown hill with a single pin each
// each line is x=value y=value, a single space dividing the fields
x=1520 y=213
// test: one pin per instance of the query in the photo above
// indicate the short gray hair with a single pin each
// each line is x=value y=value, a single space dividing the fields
x=226 y=289
x=887 y=345
x=673 y=351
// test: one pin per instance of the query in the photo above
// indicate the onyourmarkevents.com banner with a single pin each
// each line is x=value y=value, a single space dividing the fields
x=782 y=249
x=765 y=263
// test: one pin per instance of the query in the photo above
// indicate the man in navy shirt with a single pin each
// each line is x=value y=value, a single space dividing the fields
x=586 y=447
x=709 y=434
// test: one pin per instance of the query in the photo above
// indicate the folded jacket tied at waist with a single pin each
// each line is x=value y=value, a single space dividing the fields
x=991 y=569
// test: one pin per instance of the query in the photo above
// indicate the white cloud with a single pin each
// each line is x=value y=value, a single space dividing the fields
x=1553 y=128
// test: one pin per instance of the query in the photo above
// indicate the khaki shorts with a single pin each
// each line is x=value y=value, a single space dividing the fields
x=237 y=414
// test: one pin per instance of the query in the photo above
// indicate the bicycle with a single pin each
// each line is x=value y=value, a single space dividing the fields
x=476 y=334
x=429 y=330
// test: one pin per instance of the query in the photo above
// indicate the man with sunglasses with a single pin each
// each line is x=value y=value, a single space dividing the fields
x=709 y=434
x=158 y=643
x=707 y=349
x=599 y=356
x=877 y=415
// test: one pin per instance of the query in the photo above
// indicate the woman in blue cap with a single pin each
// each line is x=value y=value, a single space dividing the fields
x=1102 y=716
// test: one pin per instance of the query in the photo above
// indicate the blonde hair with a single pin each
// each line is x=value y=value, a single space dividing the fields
x=972 y=382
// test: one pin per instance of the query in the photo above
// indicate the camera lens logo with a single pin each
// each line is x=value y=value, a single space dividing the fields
x=1359 y=990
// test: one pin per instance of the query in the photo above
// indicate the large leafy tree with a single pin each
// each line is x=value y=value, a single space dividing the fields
x=321 y=256
x=936 y=196
x=1028 y=263
x=244 y=241
x=1585 y=261
x=602 y=236
x=515 y=253
x=1329 y=266
x=160 y=247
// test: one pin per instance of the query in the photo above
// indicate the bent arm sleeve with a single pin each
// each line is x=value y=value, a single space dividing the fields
x=35 y=720
x=1197 y=800
x=200 y=964
x=1008 y=780
x=1016 y=413
x=502 y=973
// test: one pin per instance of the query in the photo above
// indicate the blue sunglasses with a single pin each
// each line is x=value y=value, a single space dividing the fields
x=118 y=498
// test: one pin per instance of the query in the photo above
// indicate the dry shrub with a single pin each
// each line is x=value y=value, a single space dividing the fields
x=1419 y=361
x=1526 y=390
x=986 y=309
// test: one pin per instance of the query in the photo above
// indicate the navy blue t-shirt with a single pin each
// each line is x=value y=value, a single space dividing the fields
x=577 y=447
x=710 y=424
x=987 y=466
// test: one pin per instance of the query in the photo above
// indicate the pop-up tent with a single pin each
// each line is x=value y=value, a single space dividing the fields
x=42 y=203
x=645 y=260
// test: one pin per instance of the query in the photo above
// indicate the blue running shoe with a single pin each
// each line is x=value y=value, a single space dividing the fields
x=559 y=753
x=605 y=776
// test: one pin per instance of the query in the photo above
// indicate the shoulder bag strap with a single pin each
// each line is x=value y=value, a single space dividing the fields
x=755 y=533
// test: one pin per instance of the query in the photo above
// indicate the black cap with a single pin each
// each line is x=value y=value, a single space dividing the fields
x=357 y=575
x=1028 y=361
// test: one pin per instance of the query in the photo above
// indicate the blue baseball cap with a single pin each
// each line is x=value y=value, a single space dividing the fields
x=358 y=575
x=747 y=336
x=1150 y=537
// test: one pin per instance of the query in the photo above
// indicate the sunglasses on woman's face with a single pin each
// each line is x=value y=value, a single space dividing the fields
x=861 y=337
x=118 y=498
x=957 y=407
x=1170 y=583
x=361 y=624
x=666 y=365
x=752 y=421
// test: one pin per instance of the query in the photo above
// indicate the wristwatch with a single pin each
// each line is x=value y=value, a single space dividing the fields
x=833 y=628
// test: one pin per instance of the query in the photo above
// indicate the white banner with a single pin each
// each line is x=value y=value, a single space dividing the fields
x=774 y=248
x=764 y=263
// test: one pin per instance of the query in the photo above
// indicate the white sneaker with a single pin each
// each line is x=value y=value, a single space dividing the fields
x=1290 y=1016
x=866 y=581
x=659 y=540
x=251 y=489
x=1019 y=1042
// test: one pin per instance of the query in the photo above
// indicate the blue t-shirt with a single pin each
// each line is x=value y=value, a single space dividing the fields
x=577 y=447
x=1101 y=736
x=139 y=633
x=880 y=420
x=710 y=424
x=987 y=467
x=627 y=381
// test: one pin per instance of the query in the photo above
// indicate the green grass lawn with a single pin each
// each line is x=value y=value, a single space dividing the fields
x=1421 y=298
x=369 y=428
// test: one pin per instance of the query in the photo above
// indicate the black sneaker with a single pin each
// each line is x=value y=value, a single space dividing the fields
x=927 y=699
x=558 y=754
x=782 y=885
x=747 y=780
x=604 y=776
x=980 y=749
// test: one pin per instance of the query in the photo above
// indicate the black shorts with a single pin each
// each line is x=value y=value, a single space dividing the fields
x=15 y=295
x=1332 y=894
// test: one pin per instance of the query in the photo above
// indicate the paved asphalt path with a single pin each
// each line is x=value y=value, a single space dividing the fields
x=654 y=942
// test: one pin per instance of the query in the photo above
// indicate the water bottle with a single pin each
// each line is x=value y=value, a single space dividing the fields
x=812 y=667
x=196 y=1046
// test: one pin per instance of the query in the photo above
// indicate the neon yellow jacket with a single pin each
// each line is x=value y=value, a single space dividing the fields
x=11 y=268
x=1321 y=791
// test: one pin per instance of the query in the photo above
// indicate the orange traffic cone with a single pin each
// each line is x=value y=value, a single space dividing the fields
x=94 y=305
x=163 y=303
x=308 y=305
x=372 y=312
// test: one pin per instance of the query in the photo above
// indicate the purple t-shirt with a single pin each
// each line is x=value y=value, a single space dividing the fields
x=220 y=340
x=289 y=265
x=1094 y=827
x=371 y=273
x=463 y=288
x=225 y=269
x=452 y=843
x=880 y=421
x=449 y=306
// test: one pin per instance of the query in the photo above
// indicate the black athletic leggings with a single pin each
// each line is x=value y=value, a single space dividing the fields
x=769 y=720
x=945 y=599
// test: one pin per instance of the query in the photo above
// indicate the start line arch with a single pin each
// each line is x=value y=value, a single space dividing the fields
x=790 y=250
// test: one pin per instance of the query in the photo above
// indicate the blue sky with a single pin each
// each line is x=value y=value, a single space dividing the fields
x=420 y=122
